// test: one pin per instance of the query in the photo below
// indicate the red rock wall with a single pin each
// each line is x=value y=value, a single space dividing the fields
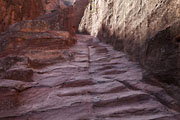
x=67 y=20
x=12 y=11
x=51 y=5
x=61 y=19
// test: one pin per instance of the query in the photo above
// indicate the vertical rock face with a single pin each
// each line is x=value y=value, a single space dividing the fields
x=55 y=12
x=71 y=11
x=13 y=11
x=53 y=29
x=65 y=14
x=147 y=30
x=59 y=13
x=51 y=5
x=61 y=19
x=79 y=7
x=67 y=20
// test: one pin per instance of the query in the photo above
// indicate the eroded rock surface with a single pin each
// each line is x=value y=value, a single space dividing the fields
x=147 y=30
x=46 y=75
x=94 y=82
x=13 y=11
x=79 y=8
x=33 y=35
x=58 y=15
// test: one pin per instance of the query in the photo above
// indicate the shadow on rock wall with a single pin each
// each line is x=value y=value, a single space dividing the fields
x=159 y=55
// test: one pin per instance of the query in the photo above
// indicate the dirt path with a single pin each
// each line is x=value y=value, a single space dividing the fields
x=99 y=83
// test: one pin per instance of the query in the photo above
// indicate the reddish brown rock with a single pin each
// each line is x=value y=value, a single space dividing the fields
x=21 y=37
x=79 y=8
x=67 y=20
x=6 y=63
x=58 y=15
x=53 y=5
x=13 y=11
x=61 y=18
x=31 y=26
x=18 y=74
x=12 y=68
x=99 y=83
x=47 y=79
x=8 y=99
x=65 y=14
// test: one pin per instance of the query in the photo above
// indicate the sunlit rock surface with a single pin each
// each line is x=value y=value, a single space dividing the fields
x=147 y=30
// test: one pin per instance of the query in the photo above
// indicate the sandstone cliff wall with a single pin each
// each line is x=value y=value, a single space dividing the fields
x=12 y=11
x=147 y=30
x=59 y=15
x=79 y=7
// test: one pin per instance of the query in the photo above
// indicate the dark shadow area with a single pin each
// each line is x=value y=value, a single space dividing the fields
x=158 y=55
x=178 y=39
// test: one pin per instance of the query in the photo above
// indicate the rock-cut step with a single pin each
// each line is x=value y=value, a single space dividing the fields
x=97 y=83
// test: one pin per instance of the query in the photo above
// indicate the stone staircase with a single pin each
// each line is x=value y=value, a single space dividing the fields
x=94 y=82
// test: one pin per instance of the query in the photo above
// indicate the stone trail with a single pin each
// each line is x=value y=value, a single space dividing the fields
x=98 y=83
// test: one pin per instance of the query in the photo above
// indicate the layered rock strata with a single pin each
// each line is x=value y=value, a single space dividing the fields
x=13 y=11
x=59 y=16
x=95 y=83
x=33 y=34
x=24 y=47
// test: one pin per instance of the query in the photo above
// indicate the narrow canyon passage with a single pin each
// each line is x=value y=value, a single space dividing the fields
x=98 y=83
